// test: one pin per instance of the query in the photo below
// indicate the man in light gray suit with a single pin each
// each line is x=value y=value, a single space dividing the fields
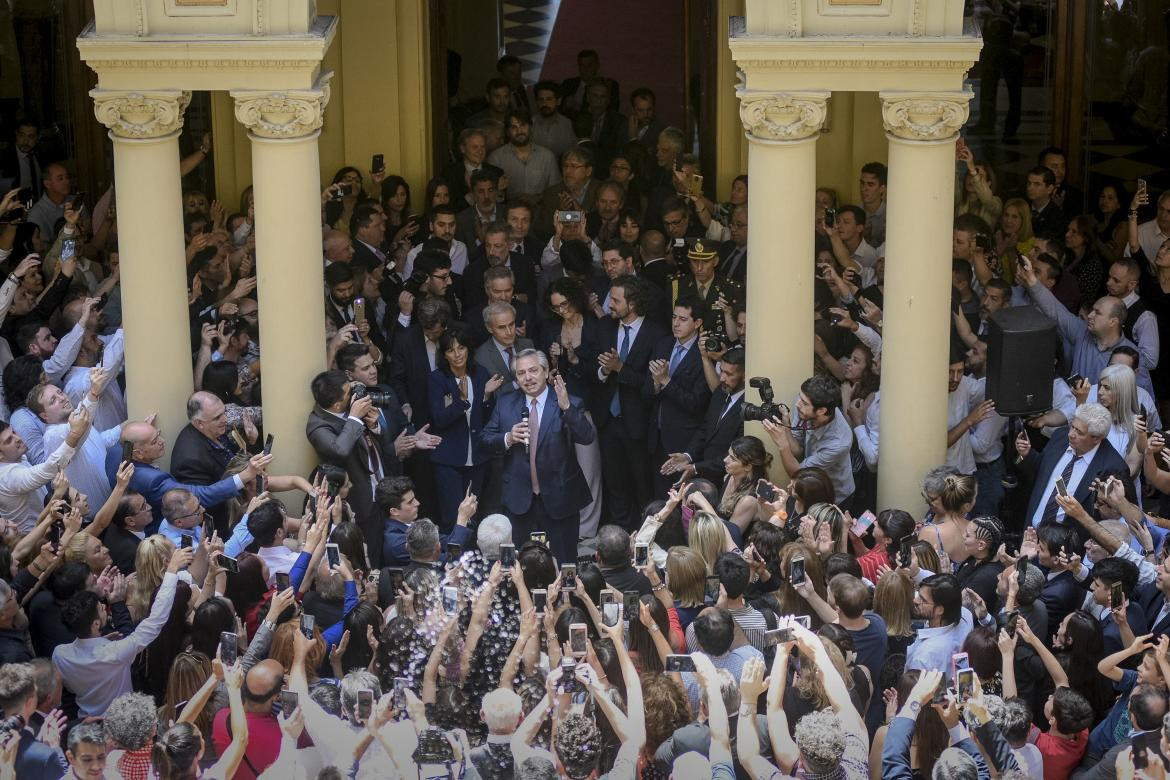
x=496 y=355
x=497 y=352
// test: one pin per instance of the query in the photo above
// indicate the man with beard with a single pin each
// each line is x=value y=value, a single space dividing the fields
x=531 y=168
x=550 y=128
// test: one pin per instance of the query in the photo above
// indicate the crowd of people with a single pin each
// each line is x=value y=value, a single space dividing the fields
x=538 y=543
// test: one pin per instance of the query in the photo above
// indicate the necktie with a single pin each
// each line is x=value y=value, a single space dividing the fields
x=1051 y=508
x=533 y=433
x=375 y=461
x=615 y=406
x=511 y=356
x=727 y=408
x=676 y=358
x=733 y=261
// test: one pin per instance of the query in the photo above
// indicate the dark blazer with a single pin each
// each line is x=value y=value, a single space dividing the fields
x=677 y=411
x=467 y=226
x=341 y=442
x=659 y=273
x=564 y=491
x=200 y=461
x=626 y=578
x=10 y=169
x=649 y=138
x=1039 y=467
x=739 y=273
x=1151 y=600
x=614 y=128
x=1061 y=595
x=522 y=269
x=628 y=382
x=454 y=173
x=550 y=203
x=709 y=444
x=123 y=546
x=38 y=761
x=570 y=86
x=489 y=357
x=449 y=416
x=581 y=379
x=363 y=257
x=409 y=369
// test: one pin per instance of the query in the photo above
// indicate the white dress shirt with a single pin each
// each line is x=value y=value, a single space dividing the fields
x=458 y=253
x=1145 y=333
x=634 y=327
x=1074 y=481
x=22 y=494
x=278 y=558
x=959 y=404
x=541 y=406
x=97 y=670
x=110 y=409
x=86 y=470
x=1151 y=237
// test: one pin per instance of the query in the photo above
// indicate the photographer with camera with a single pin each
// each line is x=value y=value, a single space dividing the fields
x=18 y=702
x=432 y=277
x=348 y=430
x=819 y=436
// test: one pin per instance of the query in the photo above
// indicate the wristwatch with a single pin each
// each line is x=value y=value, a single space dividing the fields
x=914 y=708
x=746 y=710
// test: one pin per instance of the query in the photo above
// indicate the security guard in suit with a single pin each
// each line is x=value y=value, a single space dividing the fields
x=701 y=281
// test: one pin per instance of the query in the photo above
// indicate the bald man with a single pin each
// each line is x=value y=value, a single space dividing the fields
x=262 y=685
x=338 y=247
x=203 y=450
x=152 y=482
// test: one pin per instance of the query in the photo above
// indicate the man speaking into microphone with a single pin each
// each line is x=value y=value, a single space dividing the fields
x=536 y=430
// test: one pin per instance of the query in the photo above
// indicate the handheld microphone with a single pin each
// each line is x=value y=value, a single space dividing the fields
x=524 y=418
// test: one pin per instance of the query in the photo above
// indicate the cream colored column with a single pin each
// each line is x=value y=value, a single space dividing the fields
x=144 y=127
x=286 y=173
x=782 y=131
x=921 y=128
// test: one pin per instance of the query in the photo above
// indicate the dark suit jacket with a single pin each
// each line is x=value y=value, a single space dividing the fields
x=570 y=86
x=628 y=383
x=550 y=203
x=37 y=761
x=342 y=443
x=409 y=369
x=677 y=410
x=626 y=578
x=363 y=257
x=10 y=169
x=659 y=272
x=1039 y=467
x=449 y=416
x=123 y=546
x=200 y=461
x=739 y=273
x=580 y=378
x=1061 y=595
x=522 y=269
x=649 y=138
x=614 y=128
x=454 y=173
x=489 y=357
x=1151 y=600
x=564 y=491
x=710 y=442
x=467 y=226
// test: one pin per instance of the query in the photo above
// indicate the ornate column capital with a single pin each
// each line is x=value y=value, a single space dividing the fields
x=152 y=114
x=292 y=113
x=782 y=116
x=924 y=116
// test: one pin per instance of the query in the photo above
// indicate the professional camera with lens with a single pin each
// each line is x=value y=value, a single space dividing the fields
x=358 y=390
x=767 y=408
x=10 y=724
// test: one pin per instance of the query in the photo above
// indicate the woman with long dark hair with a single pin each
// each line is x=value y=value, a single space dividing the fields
x=462 y=395
x=891 y=526
x=746 y=463
x=248 y=590
x=348 y=191
x=1085 y=258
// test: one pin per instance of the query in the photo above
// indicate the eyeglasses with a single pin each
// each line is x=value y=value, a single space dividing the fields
x=670 y=223
x=197 y=513
x=442 y=277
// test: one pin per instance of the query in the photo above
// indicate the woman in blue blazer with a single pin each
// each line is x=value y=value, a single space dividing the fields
x=462 y=396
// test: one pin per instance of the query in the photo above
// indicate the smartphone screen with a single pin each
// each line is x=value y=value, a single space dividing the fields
x=965 y=684
x=641 y=554
x=450 y=599
x=569 y=577
x=308 y=623
x=127 y=451
x=959 y=661
x=377 y=163
x=400 y=686
x=395 y=574
x=1021 y=570
x=289 y=701
x=185 y=541
x=607 y=597
x=454 y=552
x=1061 y=487
x=540 y=600
x=228 y=648
x=803 y=620
x=230 y=564
x=578 y=639
x=778 y=636
x=797 y=575
x=507 y=555
x=538 y=536
x=680 y=663
x=333 y=554
x=631 y=604
x=1013 y=618
x=610 y=613
x=711 y=591
x=282 y=580
x=365 y=704
x=268 y=444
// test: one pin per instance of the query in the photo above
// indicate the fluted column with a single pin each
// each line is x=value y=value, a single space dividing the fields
x=144 y=128
x=922 y=128
x=283 y=128
x=782 y=131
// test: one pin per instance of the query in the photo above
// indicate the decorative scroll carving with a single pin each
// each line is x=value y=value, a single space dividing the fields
x=289 y=114
x=783 y=116
x=924 y=116
x=140 y=114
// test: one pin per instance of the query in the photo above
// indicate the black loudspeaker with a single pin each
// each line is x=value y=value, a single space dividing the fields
x=1021 y=361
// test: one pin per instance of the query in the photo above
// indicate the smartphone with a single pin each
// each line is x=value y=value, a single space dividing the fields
x=229 y=647
x=332 y=489
x=863 y=522
x=127 y=451
x=230 y=564
x=578 y=639
x=959 y=661
x=282 y=581
x=906 y=550
x=400 y=686
x=359 y=310
x=1075 y=380
x=641 y=554
x=79 y=201
x=507 y=555
x=766 y=491
x=540 y=600
x=396 y=577
x=830 y=217
x=631 y=604
x=1021 y=570
x=797 y=574
x=1140 y=757
x=258 y=485
x=538 y=536
x=55 y=534
x=68 y=248
x=454 y=552
x=185 y=541
x=569 y=577
x=610 y=613
x=378 y=163
x=365 y=705
x=569 y=217
x=1061 y=487
x=696 y=184
x=308 y=623
x=1142 y=186
x=778 y=636
x=940 y=693
x=268 y=444
x=375 y=576
x=965 y=683
x=803 y=620
x=607 y=597
x=680 y=663
x=1116 y=595
x=983 y=242
x=289 y=701
x=711 y=591
x=1013 y=619
x=208 y=529
x=333 y=554
x=450 y=599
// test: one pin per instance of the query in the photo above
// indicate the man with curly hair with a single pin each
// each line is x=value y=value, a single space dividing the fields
x=578 y=746
x=130 y=724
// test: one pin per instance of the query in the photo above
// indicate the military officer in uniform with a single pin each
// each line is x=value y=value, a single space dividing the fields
x=719 y=294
